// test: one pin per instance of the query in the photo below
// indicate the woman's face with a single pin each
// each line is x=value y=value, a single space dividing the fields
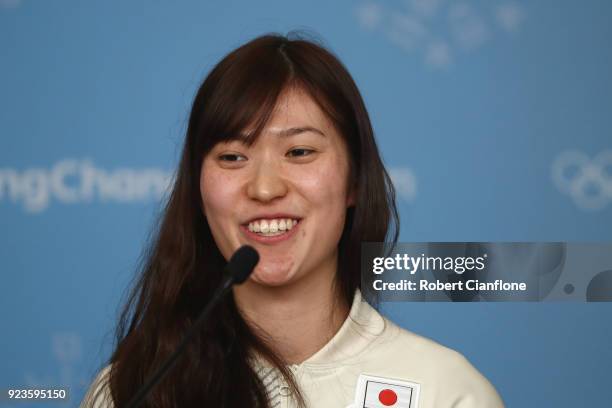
x=286 y=195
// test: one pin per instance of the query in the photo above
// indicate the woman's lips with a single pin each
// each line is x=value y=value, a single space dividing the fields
x=270 y=239
x=272 y=216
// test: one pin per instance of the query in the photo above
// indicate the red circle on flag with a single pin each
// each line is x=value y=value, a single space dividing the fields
x=387 y=397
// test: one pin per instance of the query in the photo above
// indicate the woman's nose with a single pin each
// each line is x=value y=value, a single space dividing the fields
x=266 y=183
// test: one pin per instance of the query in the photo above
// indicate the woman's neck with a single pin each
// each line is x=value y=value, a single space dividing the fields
x=299 y=318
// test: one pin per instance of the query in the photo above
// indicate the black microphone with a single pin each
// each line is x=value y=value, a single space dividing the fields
x=242 y=263
x=237 y=270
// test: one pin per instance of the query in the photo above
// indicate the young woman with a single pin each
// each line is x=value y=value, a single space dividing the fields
x=280 y=155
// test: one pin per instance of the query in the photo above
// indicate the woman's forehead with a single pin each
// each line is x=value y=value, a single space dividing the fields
x=296 y=112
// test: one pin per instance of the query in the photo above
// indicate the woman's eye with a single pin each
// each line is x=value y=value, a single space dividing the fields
x=299 y=152
x=231 y=157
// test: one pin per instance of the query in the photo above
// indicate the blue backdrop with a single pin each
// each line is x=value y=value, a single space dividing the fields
x=494 y=118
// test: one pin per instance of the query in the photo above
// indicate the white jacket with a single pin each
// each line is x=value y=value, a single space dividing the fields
x=371 y=362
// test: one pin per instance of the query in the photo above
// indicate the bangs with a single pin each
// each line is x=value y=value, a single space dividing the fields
x=239 y=96
x=243 y=94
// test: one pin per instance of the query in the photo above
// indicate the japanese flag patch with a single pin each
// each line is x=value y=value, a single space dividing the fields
x=380 y=392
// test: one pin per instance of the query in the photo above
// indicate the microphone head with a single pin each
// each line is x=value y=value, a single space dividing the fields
x=242 y=263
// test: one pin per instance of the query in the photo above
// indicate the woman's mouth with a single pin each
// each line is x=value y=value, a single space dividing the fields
x=272 y=229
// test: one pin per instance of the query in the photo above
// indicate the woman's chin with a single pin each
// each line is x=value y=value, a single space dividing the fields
x=272 y=275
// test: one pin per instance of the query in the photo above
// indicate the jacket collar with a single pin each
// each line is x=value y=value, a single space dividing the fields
x=362 y=325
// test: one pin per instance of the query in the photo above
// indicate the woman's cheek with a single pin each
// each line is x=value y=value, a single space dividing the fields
x=218 y=198
x=326 y=185
x=218 y=189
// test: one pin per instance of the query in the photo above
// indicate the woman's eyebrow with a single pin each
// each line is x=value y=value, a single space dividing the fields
x=292 y=131
x=297 y=130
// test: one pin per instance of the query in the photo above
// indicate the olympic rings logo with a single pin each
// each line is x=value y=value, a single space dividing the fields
x=587 y=181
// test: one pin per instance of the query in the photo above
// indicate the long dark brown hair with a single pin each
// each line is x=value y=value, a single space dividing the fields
x=183 y=266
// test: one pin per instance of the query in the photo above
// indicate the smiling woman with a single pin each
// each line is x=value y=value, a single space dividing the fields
x=294 y=180
x=280 y=155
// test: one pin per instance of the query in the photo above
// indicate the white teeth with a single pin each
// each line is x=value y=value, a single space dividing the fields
x=272 y=227
x=264 y=226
